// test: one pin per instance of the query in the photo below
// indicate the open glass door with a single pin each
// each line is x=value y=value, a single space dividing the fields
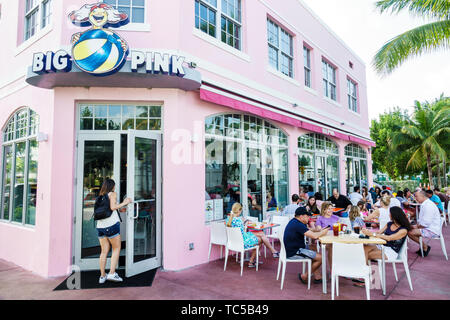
x=143 y=250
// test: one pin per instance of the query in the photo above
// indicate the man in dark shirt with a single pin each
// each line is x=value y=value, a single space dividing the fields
x=340 y=201
x=294 y=242
x=443 y=197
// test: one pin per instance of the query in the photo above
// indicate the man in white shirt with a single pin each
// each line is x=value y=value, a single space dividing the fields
x=428 y=223
x=355 y=196
x=290 y=209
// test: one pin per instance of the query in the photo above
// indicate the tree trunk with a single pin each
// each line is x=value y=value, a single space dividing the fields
x=439 y=173
x=444 y=171
x=430 y=174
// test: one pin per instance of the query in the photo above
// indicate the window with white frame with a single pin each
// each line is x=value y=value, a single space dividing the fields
x=281 y=49
x=37 y=16
x=207 y=13
x=352 y=95
x=307 y=63
x=19 y=168
x=329 y=80
x=135 y=9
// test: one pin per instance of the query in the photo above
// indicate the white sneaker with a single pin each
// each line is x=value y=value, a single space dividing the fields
x=114 y=277
x=102 y=280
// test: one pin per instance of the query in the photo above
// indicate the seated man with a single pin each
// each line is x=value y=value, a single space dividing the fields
x=294 y=242
x=355 y=196
x=340 y=201
x=435 y=199
x=290 y=209
x=429 y=222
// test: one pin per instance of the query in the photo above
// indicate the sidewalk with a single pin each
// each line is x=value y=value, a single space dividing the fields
x=430 y=278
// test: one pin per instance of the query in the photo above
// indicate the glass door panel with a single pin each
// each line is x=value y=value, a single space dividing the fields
x=98 y=159
x=254 y=182
x=350 y=175
x=306 y=171
x=98 y=166
x=277 y=181
x=357 y=174
x=320 y=178
x=144 y=188
x=332 y=175
x=363 y=173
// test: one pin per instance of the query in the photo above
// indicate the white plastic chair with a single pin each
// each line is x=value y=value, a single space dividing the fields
x=283 y=260
x=444 y=216
x=401 y=258
x=235 y=242
x=218 y=236
x=349 y=261
x=440 y=237
x=281 y=220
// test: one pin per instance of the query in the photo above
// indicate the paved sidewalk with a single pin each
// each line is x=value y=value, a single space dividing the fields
x=430 y=278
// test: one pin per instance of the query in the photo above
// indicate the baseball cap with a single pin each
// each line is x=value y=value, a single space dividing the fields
x=301 y=211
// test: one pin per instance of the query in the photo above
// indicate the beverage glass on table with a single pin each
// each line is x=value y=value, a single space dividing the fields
x=336 y=229
x=356 y=229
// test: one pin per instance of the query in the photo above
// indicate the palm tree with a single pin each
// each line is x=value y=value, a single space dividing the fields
x=426 y=135
x=423 y=39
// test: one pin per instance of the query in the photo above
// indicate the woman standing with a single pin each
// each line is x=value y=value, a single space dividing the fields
x=109 y=232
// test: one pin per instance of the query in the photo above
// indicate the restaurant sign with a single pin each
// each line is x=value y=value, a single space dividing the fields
x=101 y=52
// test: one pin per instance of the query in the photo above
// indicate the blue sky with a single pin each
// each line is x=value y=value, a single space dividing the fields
x=364 y=30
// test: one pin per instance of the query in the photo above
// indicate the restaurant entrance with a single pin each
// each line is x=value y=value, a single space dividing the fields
x=133 y=161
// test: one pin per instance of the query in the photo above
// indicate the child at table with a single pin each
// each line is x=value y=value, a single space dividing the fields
x=363 y=208
x=355 y=217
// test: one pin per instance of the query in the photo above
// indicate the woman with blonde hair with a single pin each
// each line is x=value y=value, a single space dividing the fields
x=250 y=239
x=382 y=213
x=326 y=218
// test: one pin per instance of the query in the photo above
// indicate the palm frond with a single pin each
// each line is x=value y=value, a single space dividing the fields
x=433 y=8
x=426 y=38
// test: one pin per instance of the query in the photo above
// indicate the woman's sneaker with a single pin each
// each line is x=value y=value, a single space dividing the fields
x=114 y=277
x=102 y=280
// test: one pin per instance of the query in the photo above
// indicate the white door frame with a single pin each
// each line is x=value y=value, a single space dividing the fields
x=133 y=268
x=90 y=263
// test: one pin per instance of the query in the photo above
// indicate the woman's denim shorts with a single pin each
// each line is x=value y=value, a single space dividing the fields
x=110 y=232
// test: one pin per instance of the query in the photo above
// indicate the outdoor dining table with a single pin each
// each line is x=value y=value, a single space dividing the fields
x=330 y=239
x=265 y=227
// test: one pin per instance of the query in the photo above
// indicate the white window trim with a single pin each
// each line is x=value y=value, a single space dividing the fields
x=13 y=143
x=278 y=48
x=335 y=103
x=351 y=96
x=132 y=24
x=282 y=75
x=329 y=82
x=218 y=43
x=39 y=7
x=219 y=12
x=37 y=36
x=309 y=68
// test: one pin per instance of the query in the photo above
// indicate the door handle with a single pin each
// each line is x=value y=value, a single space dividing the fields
x=137 y=211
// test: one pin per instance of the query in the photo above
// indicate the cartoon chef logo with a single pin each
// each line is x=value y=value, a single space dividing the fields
x=99 y=51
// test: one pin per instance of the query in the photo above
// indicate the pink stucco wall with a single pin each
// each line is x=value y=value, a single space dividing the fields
x=47 y=248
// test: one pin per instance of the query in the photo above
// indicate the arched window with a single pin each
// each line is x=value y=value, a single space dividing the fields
x=19 y=168
x=356 y=166
x=318 y=163
x=246 y=162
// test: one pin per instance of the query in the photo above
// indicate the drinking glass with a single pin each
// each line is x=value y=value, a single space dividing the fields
x=356 y=229
x=336 y=229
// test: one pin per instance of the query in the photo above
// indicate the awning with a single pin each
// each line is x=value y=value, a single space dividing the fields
x=236 y=104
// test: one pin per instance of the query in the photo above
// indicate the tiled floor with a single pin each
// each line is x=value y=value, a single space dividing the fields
x=430 y=277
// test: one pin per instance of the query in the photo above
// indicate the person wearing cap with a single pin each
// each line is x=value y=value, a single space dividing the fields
x=296 y=246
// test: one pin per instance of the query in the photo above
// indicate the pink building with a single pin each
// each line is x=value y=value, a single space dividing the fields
x=188 y=105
